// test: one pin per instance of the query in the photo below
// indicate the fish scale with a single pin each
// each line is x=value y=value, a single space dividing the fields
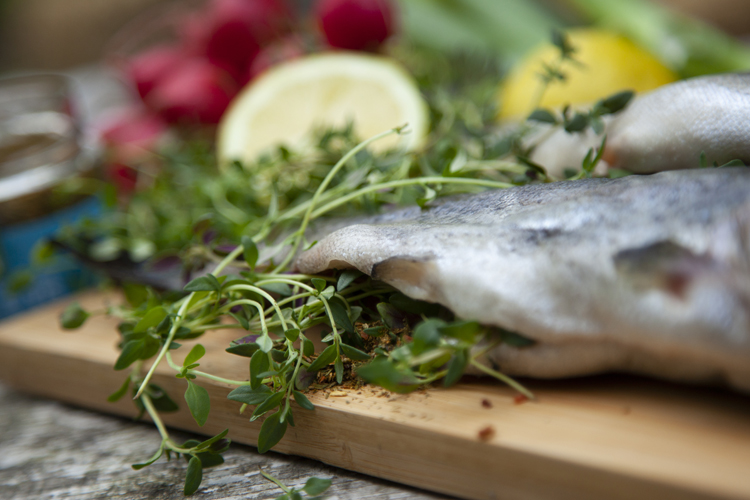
x=581 y=268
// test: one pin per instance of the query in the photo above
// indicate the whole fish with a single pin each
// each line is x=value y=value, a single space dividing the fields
x=645 y=274
x=665 y=129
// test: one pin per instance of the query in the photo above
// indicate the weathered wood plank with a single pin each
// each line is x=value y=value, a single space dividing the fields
x=52 y=450
x=613 y=437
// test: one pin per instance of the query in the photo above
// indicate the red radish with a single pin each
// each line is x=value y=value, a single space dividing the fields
x=237 y=29
x=147 y=68
x=123 y=176
x=195 y=91
x=285 y=50
x=355 y=24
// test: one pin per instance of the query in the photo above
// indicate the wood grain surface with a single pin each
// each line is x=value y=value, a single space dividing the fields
x=50 y=450
x=600 y=437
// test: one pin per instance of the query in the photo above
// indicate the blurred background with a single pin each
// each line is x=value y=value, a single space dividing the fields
x=54 y=35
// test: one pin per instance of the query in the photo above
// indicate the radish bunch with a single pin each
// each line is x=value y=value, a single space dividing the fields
x=224 y=45
x=227 y=43
x=193 y=79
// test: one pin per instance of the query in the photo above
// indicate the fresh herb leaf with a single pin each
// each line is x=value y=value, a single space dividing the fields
x=391 y=316
x=241 y=320
x=259 y=363
x=465 y=331
x=198 y=402
x=543 y=116
x=382 y=372
x=316 y=486
x=340 y=316
x=271 y=432
x=161 y=400
x=562 y=42
x=319 y=284
x=265 y=343
x=354 y=354
x=302 y=400
x=194 y=476
x=347 y=278
x=246 y=350
x=247 y=395
x=133 y=350
x=292 y=334
x=250 y=251
x=270 y=403
x=456 y=367
x=207 y=283
x=152 y=318
x=515 y=339
x=616 y=102
x=73 y=316
x=324 y=358
x=308 y=348
x=210 y=459
x=339 y=368
x=196 y=353
x=426 y=336
x=577 y=123
x=119 y=393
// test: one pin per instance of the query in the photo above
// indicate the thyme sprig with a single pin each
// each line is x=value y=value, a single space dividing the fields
x=265 y=300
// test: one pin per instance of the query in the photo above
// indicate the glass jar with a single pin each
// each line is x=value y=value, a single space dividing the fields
x=40 y=147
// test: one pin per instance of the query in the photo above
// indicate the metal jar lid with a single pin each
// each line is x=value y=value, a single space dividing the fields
x=40 y=145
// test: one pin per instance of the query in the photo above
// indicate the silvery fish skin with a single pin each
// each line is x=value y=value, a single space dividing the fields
x=666 y=129
x=646 y=274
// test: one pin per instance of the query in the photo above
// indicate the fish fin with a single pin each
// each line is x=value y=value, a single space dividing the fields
x=414 y=277
x=663 y=265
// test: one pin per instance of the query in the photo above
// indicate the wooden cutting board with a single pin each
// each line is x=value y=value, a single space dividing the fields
x=600 y=437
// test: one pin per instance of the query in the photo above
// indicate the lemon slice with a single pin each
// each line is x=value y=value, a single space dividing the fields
x=285 y=104
x=606 y=63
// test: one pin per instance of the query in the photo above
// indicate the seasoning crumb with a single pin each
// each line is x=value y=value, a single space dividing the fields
x=486 y=433
x=520 y=399
x=338 y=394
x=486 y=403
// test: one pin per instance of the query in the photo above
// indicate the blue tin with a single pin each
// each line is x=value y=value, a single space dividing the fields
x=62 y=276
x=40 y=148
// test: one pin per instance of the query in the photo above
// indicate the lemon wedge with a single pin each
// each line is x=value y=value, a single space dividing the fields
x=289 y=101
x=606 y=63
